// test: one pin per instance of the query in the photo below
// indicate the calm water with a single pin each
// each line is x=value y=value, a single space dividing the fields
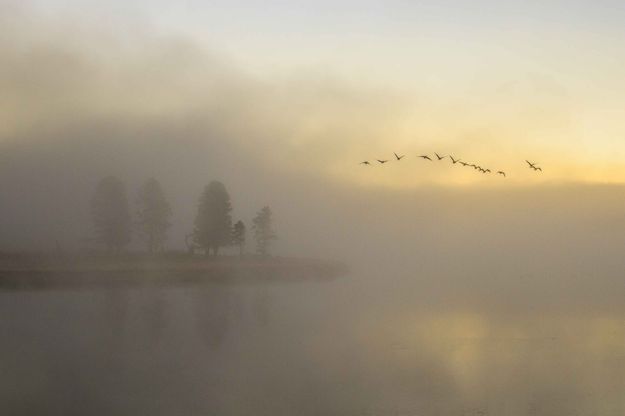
x=367 y=344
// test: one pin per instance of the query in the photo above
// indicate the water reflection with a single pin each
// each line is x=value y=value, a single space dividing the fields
x=154 y=311
x=115 y=312
x=261 y=305
x=515 y=365
x=213 y=308
x=307 y=348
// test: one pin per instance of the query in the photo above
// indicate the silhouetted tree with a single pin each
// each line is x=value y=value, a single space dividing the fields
x=238 y=236
x=153 y=214
x=111 y=216
x=189 y=241
x=263 y=231
x=213 y=224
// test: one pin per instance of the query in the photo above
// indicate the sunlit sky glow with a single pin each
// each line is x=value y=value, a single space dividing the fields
x=490 y=82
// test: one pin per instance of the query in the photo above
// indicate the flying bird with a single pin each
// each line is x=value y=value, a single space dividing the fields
x=533 y=166
x=439 y=156
x=382 y=161
x=502 y=173
x=454 y=161
x=366 y=162
x=398 y=157
x=425 y=157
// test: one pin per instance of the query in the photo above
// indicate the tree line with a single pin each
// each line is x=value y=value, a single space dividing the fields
x=213 y=228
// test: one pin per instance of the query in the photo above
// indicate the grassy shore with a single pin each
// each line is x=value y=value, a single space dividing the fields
x=42 y=271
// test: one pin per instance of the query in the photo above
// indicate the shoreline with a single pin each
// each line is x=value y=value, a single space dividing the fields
x=22 y=271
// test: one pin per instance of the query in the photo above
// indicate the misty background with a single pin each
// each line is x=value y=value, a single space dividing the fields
x=82 y=103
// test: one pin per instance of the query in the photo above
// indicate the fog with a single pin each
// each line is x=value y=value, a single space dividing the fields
x=493 y=297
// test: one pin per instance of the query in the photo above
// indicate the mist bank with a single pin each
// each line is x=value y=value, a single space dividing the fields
x=70 y=76
x=81 y=103
x=545 y=246
x=46 y=191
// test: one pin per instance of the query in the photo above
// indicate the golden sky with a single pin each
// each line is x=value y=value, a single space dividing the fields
x=318 y=88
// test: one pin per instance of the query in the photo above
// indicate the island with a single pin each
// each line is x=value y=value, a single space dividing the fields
x=38 y=271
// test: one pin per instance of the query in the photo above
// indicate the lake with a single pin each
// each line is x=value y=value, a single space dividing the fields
x=370 y=343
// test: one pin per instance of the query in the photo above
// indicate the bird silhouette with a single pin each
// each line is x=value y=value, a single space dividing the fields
x=366 y=162
x=398 y=157
x=439 y=156
x=382 y=161
x=425 y=157
x=454 y=161
x=532 y=165
x=502 y=173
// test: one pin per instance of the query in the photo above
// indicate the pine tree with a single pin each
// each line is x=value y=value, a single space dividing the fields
x=153 y=214
x=238 y=236
x=110 y=213
x=213 y=223
x=263 y=231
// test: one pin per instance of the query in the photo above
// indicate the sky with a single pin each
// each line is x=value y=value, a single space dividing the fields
x=492 y=83
x=282 y=101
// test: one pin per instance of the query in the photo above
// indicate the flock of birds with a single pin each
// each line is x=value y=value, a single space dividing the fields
x=531 y=165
